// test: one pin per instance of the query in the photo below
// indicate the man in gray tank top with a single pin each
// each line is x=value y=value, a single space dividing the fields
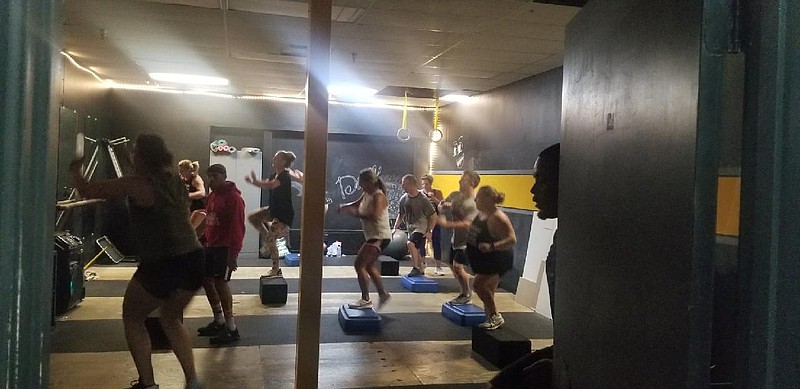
x=420 y=218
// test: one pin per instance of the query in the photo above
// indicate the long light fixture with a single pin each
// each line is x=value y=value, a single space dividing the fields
x=191 y=79
x=456 y=98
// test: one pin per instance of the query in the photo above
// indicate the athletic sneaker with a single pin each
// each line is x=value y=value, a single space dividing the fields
x=194 y=384
x=226 y=336
x=135 y=384
x=439 y=271
x=212 y=329
x=492 y=323
x=382 y=300
x=415 y=272
x=274 y=273
x=460 y=300
x=361 y=304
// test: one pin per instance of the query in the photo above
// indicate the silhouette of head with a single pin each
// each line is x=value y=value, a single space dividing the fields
x=545 y=187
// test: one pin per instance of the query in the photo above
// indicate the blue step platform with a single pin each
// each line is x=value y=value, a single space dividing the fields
x=420 y=284
x=359 y=320
x=466 y=315
x=292 y=259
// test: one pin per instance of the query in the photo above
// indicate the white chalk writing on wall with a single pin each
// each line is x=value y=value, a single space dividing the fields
x=347 y=188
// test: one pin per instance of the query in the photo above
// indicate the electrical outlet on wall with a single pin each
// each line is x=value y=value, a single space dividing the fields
x=610 y=121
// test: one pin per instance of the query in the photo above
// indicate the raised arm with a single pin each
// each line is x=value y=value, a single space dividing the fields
x=501 y=229
x=138 y=188
x=264 y=184
x=200 y=186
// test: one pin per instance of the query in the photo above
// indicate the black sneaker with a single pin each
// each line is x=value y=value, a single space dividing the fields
x=226 y=336
x=212 y=329
x=415 y=273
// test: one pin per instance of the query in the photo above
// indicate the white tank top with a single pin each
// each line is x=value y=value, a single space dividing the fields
x=378 y=228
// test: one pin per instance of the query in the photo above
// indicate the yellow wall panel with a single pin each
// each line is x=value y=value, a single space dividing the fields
x=728 y=200
x=517 y=190
x=515 y=186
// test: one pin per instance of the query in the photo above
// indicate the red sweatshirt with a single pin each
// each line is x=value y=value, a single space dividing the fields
x=225 y=218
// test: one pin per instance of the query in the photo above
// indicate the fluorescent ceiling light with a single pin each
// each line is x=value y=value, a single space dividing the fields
x=456 y=97
x=188 y=79
x=351 y=91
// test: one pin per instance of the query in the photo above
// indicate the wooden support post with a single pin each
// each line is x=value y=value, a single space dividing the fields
x=316 y=143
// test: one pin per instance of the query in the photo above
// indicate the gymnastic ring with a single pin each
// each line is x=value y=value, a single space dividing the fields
x=404 y=134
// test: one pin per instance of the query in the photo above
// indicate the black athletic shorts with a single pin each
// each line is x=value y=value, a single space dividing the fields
x=384 y=243
x=459 y=256
x=493 y=262
x=417 y=238
x=163 y=276
x=217 y=263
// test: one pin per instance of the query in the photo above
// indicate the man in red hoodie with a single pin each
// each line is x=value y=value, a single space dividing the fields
x=223 y=238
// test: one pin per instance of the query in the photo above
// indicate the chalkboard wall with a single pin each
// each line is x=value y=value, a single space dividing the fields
x=347 y=156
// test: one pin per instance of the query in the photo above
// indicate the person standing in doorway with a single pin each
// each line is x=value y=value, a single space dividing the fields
x=490 y=248
x=373 y=210
x=223 y=239
x=435 y=196
x=170 y=256
x=273 y=222
x=461 y=205
x=420 y=218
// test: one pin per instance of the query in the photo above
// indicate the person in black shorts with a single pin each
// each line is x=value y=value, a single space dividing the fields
x=273 y=222
x=416 y=211
x=223 y=239
x=373 y=210
x=197 y=191
x=461 y=205
x=170 y=256
x=490 y=248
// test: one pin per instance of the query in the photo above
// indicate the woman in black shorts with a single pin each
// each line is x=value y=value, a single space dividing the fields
x=273 y=222
x=490 y=249
x=373 y=210
x=171 y=259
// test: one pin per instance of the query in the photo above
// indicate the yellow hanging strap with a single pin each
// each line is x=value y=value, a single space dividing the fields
x=436 y=114
x=95 y=258
x=405 y=110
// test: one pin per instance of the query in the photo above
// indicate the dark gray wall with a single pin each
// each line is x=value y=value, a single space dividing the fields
x=185 y=120
x=506 y=128
x=623 y=311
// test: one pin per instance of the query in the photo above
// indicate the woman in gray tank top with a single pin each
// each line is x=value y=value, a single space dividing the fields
x=373 y=210
x=170 y=257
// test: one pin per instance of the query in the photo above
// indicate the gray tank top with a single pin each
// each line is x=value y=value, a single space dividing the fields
x=378 y=228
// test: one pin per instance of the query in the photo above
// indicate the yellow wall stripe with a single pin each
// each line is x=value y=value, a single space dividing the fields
x=517 y=190
x=515 y=186
x=729 y=191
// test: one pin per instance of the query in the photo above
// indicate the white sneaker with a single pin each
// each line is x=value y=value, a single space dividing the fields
x=382 y=300
x=492 y=323
x=361 y=304
x=274 y=273
x=460 y=300
x=439 y=271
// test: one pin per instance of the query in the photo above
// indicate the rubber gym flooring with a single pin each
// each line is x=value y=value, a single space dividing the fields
x=417 y=347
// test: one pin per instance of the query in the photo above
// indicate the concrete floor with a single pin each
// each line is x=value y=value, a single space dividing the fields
x=357 y=364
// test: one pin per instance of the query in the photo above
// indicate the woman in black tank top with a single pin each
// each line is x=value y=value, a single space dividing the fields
x=197 y=190
x=490 y=248
x=273 y=222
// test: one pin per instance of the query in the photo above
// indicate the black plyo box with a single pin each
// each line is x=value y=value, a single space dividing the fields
x=272 y=290
x=388 y=266
x=501 y=346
